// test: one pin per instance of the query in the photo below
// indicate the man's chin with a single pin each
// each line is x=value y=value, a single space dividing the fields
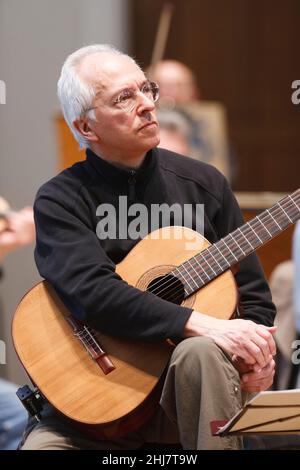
x=150 y=143
x=156 y=140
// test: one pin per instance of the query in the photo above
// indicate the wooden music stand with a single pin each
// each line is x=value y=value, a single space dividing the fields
x=272 y=413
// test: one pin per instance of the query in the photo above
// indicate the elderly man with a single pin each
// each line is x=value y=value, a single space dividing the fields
x=109 y=105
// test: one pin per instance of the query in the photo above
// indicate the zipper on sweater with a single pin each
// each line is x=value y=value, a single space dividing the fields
x=131 y=186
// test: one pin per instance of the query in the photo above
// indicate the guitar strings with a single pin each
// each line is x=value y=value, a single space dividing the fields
x=170 y=291
x=217 y=258
x=220 y=268
x=174 y=295
x=87 y=338
x=214 y=261
x=259 y=220
x=169 y=283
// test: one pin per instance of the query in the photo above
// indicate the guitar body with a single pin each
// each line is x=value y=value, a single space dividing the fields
x=58 y=364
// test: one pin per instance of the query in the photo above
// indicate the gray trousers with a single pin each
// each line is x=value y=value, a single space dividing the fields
x=201 y=386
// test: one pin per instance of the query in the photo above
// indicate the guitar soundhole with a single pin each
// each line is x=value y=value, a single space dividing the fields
x=167 y=287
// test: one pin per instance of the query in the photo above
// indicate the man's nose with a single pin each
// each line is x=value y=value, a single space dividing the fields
x=145 y=103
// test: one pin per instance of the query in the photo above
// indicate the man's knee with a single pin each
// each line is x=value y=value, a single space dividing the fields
x=201 y=355
x=198 y=347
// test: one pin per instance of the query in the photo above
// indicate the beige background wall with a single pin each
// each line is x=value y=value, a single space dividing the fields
x=35 y=38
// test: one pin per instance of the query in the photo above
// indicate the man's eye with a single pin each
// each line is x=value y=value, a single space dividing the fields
x=126 y=95
x=146 y=89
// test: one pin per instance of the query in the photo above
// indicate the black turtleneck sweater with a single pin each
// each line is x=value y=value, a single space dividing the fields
x=81 y=266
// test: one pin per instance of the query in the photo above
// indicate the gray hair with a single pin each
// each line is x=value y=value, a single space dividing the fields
x=74 y=95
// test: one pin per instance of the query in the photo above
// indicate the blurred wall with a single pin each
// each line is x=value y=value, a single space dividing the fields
x=245 y=54
x=35 y=38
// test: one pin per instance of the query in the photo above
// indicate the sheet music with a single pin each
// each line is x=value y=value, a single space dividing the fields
x=267 y=412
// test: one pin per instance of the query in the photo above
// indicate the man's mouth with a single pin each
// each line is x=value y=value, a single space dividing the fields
x=148 y=124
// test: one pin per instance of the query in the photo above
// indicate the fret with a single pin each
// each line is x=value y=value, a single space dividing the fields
x=227 y=262
x=184 y=279
x=211 y=254
x=268 y=211
x=285 y=212
x=208 y=264
x=290 y=197
x=292 y=210
x=188 y=273
x=195 y=258
x=263 y=225
x=248 y=241
x=239 y=246
x=188 y=291
x=197 y=274
x=230 y=251
x=250 y=225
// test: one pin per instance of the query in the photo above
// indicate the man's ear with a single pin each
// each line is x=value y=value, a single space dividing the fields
x=82 y=126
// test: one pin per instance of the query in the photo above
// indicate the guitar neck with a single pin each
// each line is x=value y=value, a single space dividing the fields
x=216 y=259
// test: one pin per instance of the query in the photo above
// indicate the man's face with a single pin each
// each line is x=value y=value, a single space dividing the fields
x=119 y=133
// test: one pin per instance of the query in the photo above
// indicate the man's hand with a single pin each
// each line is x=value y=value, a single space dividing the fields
x=241 y=338
x=20 y=231
x=252 y=381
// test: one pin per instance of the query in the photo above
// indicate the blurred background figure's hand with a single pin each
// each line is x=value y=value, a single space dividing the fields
x=19 y=231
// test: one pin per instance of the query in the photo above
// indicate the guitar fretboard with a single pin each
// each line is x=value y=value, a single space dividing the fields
x=216 y=259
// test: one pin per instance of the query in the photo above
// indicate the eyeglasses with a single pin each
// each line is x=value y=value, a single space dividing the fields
x=127 y=99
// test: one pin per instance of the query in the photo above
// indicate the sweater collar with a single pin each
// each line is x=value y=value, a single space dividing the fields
x=117 y=174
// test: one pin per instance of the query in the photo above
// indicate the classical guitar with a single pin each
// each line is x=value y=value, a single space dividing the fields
x=112 y=388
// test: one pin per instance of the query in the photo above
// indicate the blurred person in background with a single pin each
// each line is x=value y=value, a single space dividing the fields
x=207 y=139
x=177 y=83
x=16 y=230
x=175 y=131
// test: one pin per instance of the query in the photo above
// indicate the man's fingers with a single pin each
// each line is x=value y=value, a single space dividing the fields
x=256 y=354
x=258 y=385
x=272 y=329
x=252 y=354
x=268 y=336
x=255 y=377
x=264 y=346
x=247 y=357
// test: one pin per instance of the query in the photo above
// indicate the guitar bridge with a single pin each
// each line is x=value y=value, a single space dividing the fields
x=87 y=338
